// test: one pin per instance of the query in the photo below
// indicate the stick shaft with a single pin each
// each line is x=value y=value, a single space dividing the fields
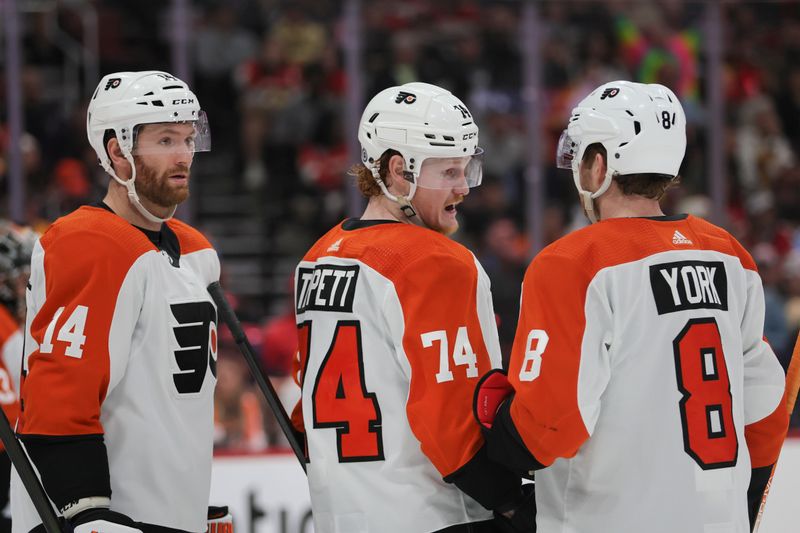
x=29 y=478
x=792 y=386
x=229 y=317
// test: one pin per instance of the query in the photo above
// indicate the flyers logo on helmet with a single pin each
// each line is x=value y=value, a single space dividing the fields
x=611 y=92
x=113 y=83
x=405 y=97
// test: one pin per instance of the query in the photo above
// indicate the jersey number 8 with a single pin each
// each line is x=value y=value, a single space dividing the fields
x=709 y=434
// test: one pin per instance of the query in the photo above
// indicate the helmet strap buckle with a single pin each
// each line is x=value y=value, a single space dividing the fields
x=406 y=207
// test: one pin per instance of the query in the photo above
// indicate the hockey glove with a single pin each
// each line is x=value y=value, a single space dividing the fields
x=219 y=520
x=492 y=390
x=521 y=515
x=102 y=520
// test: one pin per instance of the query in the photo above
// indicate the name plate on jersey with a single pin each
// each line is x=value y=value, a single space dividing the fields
x=326 y=288
x=689 y=285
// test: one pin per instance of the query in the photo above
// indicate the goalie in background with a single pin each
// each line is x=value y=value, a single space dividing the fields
x=640 y=387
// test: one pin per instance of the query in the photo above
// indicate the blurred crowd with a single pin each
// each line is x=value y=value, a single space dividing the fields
x=271 y=77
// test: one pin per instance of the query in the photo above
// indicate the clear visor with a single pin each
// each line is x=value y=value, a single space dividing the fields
x=566 y=152
x=173 y=137
x=452 y=172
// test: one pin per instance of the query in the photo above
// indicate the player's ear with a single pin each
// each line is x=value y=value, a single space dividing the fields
x=114 y=150
x=118 y=161
x=394 y=175
x=598 y=170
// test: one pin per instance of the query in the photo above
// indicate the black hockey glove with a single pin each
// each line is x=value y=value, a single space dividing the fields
x=95 y=519
x=103 y=520
x=523 y=519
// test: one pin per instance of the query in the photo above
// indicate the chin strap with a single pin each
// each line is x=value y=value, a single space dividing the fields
x=588 y=198
x=130 y=185
x=403 y=201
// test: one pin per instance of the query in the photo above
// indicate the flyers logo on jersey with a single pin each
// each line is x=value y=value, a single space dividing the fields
x=326 y=288
x=196 y=333
x=689 y=285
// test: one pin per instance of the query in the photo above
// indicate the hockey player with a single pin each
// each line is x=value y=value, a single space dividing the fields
x=395 y=325
x=639 y=380
x=16 y=244
x=120 y=350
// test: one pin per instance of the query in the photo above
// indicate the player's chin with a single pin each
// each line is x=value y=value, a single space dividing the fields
x=448 y=227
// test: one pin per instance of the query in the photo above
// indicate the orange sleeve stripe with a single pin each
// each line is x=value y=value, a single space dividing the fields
x=87 y=256
x=765 y=437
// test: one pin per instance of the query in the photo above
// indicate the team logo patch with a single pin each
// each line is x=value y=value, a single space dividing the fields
x=404 y=97
x=113 y=83
x=611 y=92
x=195 y=330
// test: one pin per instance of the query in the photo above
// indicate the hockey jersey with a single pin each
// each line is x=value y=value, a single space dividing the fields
x=643 y=380
x=121 y=341
x=11 y=351
x=395 y=326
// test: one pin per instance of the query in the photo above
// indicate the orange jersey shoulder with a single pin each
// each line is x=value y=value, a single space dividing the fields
x=93 y=232
x=390 y=248
x=190 y=239
x=622 y=240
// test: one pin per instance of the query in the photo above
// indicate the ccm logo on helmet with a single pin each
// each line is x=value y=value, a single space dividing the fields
x=183 y=101
x=469 y=135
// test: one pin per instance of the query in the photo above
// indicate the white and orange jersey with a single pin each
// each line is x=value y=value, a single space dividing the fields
x=11 y=352
x=121 y=342
x=395 y=327
x=643 y=380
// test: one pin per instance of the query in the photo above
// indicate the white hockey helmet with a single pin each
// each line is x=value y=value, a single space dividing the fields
x=422 y=122
x=641 y=126
x=125 y=100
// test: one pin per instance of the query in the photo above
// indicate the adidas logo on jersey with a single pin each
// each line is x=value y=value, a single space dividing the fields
x=680 y=238
x=335 y=246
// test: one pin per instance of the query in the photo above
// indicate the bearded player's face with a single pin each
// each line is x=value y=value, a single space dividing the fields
x=164 y=157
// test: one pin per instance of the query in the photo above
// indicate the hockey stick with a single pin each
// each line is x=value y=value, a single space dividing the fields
x=792 y=386
x=229 y=317
x=29 y=478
